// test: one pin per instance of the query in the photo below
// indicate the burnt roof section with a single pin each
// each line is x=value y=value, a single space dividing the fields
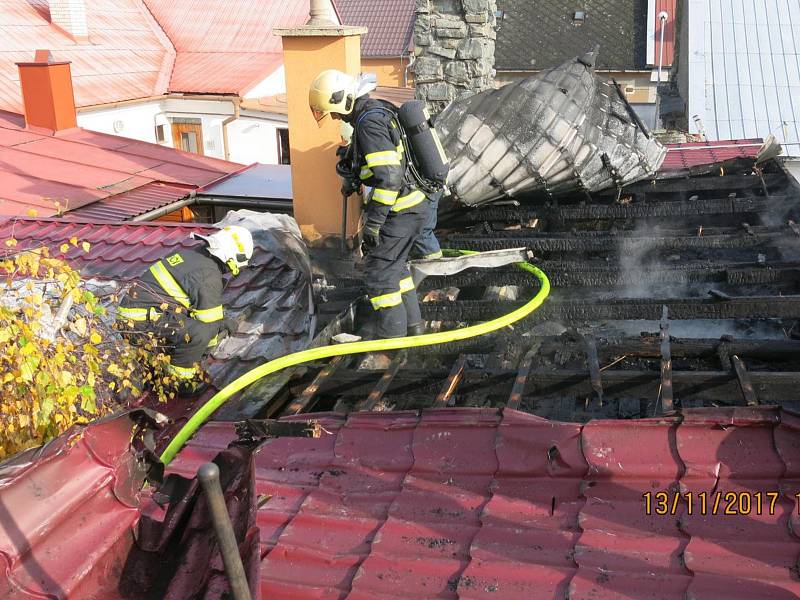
x=389 y=25
x=543 y=34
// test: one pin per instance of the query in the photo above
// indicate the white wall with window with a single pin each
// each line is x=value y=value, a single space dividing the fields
x=195 y=125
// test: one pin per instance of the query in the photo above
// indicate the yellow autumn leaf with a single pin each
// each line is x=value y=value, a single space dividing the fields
x=11 y=242
x=86 y=246
x=63 y=248
x=32 y=212
x=73 y=240
x=79 y=326
x=95 y=338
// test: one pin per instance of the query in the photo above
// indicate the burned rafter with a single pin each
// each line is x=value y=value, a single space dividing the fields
x=517 y=390
x=743 y=377
x=377 y=393
x=444 y=398
x=306 y=400
x=667 y=404
x=633 y=210
x=621 y=309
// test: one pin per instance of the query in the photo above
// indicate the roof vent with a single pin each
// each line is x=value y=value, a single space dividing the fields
x=70 y=16
x=578 y=18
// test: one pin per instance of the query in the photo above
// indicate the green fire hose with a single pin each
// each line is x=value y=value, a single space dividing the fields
x=312 y=354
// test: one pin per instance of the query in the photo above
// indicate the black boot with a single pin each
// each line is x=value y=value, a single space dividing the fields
x=418 y=329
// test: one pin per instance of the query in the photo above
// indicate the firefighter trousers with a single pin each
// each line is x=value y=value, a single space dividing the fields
x=391 y=291
x=426 y=245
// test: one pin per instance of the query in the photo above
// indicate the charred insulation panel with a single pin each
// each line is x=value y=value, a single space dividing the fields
x=562 y=130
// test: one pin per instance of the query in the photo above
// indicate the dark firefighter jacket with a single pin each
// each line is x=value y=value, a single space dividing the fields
x=381 y=162
x=190 y=280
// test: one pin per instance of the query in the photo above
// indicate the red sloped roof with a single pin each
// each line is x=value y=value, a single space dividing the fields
x=128 y=55
x=696 y=154
x=225 y=47
x=143 y=48
x=483 y=504
x=77 y=167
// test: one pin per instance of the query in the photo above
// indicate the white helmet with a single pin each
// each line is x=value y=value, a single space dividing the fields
x=233 y=245
x=333 y=91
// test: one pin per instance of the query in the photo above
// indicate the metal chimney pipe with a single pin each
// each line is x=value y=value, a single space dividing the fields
x=319 y=14
x=662 y=17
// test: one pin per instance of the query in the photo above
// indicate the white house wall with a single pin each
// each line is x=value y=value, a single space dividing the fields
x=135 y=121
x=252 y=138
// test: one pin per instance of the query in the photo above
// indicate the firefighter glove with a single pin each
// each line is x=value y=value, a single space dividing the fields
x=229 y=325
x=370 y=238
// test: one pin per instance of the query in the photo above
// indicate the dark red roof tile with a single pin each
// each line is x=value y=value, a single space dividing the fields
x=470 y=503
x=389 y=25
x=696 y=154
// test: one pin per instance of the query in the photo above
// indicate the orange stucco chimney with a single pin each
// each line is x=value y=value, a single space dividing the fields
x=47 y=93
x=320 y=44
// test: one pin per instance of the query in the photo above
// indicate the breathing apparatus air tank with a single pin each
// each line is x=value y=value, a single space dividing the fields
x=428 y=153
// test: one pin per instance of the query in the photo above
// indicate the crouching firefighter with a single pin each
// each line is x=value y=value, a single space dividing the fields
x=396 y=209
x=179 y=300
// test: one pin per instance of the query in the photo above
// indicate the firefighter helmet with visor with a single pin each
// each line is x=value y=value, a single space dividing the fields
x=232 y=245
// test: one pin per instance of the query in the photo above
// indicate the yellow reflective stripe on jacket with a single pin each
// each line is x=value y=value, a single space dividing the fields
x=406 y=285
x=132 y=314
x=383 y=158
x=408 y=201
x=168 y=284
x=386 y=300
x=208 y=315
x=366 y=173
x=432 y=255
x=387 y=197
x=214 y=341
x=182 y=372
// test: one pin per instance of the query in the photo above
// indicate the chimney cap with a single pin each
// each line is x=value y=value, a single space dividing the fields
x=43 y=58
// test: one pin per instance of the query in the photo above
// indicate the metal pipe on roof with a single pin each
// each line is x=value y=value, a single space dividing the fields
x=236 y=112
x=165 y=210
x=662 y=16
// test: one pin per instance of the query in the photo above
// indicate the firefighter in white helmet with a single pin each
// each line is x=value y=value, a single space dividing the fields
x=179 y=299
x=396 y=209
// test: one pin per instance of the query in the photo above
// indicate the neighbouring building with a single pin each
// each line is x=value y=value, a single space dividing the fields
x=738 y=71
x=51 y=167
x=387 y=49
x=179 y=74
x=533 y=36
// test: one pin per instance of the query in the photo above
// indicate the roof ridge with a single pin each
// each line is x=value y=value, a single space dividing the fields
x=168 y=64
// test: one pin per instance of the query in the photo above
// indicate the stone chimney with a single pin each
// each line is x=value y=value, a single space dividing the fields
x=47 y=93
x=454 y=44
x=70 y=15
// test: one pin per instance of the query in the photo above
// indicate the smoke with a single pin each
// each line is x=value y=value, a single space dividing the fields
x=641 y=261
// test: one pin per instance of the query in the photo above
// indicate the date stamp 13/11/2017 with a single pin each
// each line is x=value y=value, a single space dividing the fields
x=713 y=503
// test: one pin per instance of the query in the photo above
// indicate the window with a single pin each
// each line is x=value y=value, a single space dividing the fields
x=187 y=135
x=283 y=146
x=160 y=133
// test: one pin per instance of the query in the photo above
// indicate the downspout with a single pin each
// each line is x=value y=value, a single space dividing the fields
x=236 y=103
x=662 y=16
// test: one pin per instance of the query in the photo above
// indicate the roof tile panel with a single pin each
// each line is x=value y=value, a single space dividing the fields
x=542 y=34
x=389 y=24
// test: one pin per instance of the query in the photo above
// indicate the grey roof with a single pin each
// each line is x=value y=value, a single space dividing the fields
x=744 y=71
x=540 y=34
x=256 y=181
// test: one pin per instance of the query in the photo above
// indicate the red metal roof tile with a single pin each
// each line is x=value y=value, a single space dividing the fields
x=695 y=154
x=389 y=24
x=474 y=504
x=67 y=513
x=77 y=168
